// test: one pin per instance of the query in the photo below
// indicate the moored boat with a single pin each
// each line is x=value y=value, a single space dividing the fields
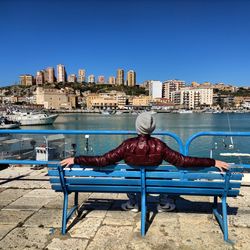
x=31 y=118
x=6 y=123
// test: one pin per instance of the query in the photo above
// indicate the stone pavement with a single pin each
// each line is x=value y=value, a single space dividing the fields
x=30 y=218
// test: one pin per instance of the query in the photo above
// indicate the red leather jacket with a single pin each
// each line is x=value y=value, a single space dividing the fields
x=144 y=150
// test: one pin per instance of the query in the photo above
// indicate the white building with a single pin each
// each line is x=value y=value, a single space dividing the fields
x=192 y=98
x=155 y=89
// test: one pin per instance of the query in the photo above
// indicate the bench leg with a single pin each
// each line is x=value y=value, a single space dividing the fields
x=224 y=217
x=64 y=215
x=143 y=214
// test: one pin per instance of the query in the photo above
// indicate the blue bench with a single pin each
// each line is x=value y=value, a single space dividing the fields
x=122 y=178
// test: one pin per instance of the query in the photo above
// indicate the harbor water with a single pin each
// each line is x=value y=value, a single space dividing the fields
x=184 y=125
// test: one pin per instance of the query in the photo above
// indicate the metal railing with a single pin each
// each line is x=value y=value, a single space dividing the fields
x=192 y=138
x=184 y=149
x=77 y=132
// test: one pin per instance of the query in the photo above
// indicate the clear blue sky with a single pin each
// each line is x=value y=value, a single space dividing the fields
x=184 y=39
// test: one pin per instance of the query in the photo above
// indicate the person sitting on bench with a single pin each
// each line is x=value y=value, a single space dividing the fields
x=144 y=150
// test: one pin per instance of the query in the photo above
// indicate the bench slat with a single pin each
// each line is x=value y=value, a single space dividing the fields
x=95 y=188
x=188 y=175
x=98 y=181
x=88 y=173
x=190 y=191
x=185 y=183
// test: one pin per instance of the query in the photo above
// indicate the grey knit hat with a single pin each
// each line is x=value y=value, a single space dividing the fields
x=145 y=123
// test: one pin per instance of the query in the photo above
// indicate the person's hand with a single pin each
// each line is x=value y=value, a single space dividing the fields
x=221 y=165
x=67 y=162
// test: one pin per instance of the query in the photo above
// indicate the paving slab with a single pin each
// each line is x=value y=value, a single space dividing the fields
x=14 y=217
x=5 y=229
x=45 y=218
x=111 y=237
x=57 y=201
x=86 y=228
x=25 y=238
x=42 y=193
x=10 y=195
x=29 y=203
x=66 y=244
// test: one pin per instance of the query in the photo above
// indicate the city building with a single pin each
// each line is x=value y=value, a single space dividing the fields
x=26 y=80
x=81 y=75
x=50 y=75
x=192 y=98
x=120 y=77
x=170 y=86
x=61 y=73
x=141 y=101
x=91 y=79
x=39 y=78
x=55 y=99
x=155 y=89
x=131 y=78
x=72 y=78
x=112 y=80
x=101 y=101
x=101 y=79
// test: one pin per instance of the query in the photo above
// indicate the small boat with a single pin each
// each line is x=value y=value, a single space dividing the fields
x=5 y=123
x=32 y=118
x=184 y=111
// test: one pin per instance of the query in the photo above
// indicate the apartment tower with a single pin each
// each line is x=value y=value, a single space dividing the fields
x=112 y=80
x=120 y=77
x=61 y=73
x=131 y=78
x=91 y=79
x=81 y=75
x=50 y=75
x=39 y=77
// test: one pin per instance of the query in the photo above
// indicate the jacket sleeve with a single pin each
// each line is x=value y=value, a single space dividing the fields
x=180 y=160
x=109 y=158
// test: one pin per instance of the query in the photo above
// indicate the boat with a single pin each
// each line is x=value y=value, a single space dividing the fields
x=5 y=123
x=32 y=118
x=184 y=111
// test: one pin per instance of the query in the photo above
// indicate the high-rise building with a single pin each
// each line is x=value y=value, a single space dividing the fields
x=51 y=74
x=112 y=80
x=72 y=78
x=81 y=75
x=61 y=73
x=39 y=77
x=101 y=79
x=171 y=85
x=26 y=80
x=91 y=79
x=131 y=78
x=120 y=77
x=155 y=89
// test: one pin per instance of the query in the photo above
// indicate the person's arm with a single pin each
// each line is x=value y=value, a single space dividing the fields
x=180 y=160
x=109 y=158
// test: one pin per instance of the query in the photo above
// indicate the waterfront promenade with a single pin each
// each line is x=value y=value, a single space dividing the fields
x=30 y=218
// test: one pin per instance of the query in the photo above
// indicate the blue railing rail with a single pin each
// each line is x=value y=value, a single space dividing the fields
x=216 y=133
x=78 y=132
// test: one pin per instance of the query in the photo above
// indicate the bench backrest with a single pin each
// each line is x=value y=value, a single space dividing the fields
x=195 y=181
x=115 y=178
x=122 y=178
